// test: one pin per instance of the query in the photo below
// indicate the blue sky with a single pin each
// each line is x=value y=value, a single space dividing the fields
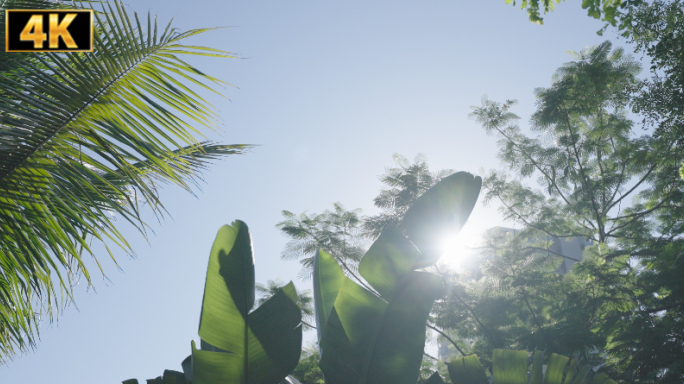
x=329 y=90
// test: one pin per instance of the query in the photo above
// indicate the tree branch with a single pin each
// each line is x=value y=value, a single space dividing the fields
x=530 y=224
x=633 y=188
x=664 y=308
x=617 y=188
x=552 y=181
x=548 y=250
x=638 y=215
x=448 y=338
x=584 y=178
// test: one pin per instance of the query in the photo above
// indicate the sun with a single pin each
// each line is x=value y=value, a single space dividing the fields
x=459 y=248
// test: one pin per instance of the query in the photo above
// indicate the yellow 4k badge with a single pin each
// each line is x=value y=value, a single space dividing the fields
x=42 y=30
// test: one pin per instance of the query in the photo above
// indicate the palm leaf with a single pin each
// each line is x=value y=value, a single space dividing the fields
x=84 y=137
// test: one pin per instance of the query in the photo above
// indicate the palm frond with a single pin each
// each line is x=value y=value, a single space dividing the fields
x=84 y=136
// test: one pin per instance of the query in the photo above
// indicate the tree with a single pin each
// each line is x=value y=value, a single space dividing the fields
x=338 y=232
x=406 y=181
x=613 y=12
x=656 y=28
x=588 y=162
x=658 y=31
x=87 y=138
x=344 y=233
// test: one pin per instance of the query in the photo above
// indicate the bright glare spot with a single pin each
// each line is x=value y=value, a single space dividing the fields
x=459 y=248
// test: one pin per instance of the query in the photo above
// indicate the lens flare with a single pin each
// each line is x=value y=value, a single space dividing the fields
x=459 y=248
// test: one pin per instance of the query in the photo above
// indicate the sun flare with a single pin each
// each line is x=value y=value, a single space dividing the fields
x=459 y=248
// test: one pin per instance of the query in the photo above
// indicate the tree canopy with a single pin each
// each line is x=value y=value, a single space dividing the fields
x=598 y=181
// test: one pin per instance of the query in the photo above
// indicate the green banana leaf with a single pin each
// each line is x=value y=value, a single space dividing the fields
x=366 y=338
x=440 y=212
x=537 y=372
x=328 y=279
x=510 y=367
x=554 y=371
x=467 y=370
x=260 y=347
x=238 y=346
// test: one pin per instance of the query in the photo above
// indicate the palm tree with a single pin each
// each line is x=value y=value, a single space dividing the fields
x=84 y=138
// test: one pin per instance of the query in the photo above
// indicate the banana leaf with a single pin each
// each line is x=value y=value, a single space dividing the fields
x=238 y=346
x=368 y=340
x=261 y=347
x=510 y=367
x=467 y=370
x=379 y=338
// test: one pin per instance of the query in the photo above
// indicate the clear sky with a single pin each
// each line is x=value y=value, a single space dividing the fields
x=329 y=90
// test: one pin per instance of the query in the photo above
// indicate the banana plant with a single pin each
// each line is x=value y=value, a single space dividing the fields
x=511 y=367
x=239 y=346
x=378 y=336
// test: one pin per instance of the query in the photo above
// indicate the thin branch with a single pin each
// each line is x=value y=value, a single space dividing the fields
x=536 y=165
x=530 y=224
x=633 y=188
x=448 y=338
x=598 y=162
x=615 y=254
x=548 y=250
x=654 y=310
x=584 y=178
x=646 y=212
x=613 y=229
x=617 y=188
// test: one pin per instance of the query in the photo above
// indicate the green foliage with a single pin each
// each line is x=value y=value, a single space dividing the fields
x=407 y=181
x=658 y=31
x=656 y=28
x=513 y=367
x=598 y=181
x=88 y=138
x=610 y=11
x=308 y=371
x=238 y=345
x=344 y=234
x=338 y=232
x=366 y=337
x=430 y=371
